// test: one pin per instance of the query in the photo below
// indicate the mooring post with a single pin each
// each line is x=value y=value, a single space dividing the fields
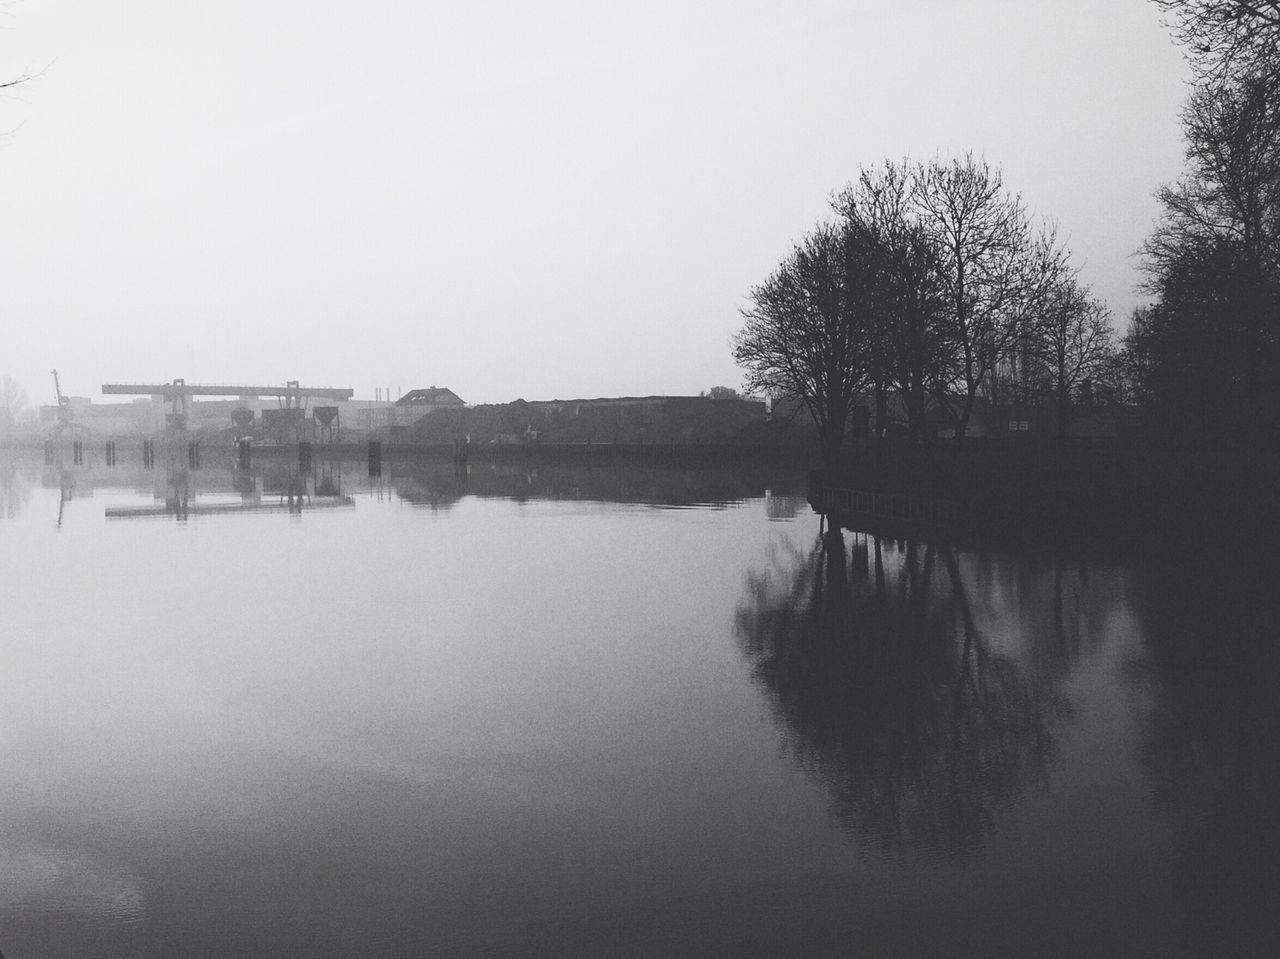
x=244 y=454
x=304 y=457
x=375 y=458
x=193 y=454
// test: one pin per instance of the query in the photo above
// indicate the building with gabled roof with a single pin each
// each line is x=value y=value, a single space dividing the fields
x=436 y=397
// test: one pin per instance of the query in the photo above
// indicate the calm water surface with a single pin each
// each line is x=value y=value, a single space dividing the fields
x=602 y=713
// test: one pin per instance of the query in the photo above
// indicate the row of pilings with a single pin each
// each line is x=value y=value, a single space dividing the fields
x=244 y=454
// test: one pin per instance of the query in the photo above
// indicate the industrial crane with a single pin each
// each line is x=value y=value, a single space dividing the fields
x=64 y=410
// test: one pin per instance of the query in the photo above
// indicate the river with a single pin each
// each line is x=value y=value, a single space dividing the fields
x=527 y=711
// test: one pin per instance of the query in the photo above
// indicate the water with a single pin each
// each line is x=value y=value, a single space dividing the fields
x=535 y=712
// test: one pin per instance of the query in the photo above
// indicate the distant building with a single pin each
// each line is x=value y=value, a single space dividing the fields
x=408 y=409
x=433 y=397
x=107 y=419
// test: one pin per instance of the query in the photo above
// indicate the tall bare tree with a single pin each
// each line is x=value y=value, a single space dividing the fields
x=1072 y=345
x=805 y=334
x=911 y=340
x=997 y=268
x=1213 y=261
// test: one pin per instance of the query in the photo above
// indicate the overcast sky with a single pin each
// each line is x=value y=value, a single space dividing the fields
x=542 y=199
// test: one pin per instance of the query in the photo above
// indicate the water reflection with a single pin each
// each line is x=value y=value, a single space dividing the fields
x=181 y=487
x=1209 y=694
x=264 y=491
x=437 y=483
x=893 y=693
x=421 y=750
x=15 y=490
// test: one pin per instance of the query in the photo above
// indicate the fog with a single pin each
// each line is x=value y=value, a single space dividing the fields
x=515 y=199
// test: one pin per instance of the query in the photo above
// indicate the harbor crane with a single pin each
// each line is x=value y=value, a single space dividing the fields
x=65 y=413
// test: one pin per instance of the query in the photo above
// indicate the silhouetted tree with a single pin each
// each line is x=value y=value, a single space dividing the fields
x=1071 y=344
x=1209 y=348
x=806 y=336
x=998 y=269
x=911 y=341
x=1226 y=38
x=1207 y=353
x=934 y=277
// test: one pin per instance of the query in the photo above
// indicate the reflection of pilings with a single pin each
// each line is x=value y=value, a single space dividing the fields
x=148 y=454
x=244 y=454
x=193 y=454
x=375 y=458
x=110 y=452
x=328 y=483
x=77 y=452
x=182 y=509
x=178 y=498
x=304 y=457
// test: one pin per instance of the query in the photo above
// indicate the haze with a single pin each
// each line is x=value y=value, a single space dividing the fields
x=516 y=200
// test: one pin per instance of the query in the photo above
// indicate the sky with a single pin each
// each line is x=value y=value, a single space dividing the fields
x=549 y=199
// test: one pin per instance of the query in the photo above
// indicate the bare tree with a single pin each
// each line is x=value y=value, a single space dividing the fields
x=805 y=334
x=1072 y=345
x=1232 y=186
x=911 y=341
x=1226 y=38
x=997 y=269
x=1214 y=259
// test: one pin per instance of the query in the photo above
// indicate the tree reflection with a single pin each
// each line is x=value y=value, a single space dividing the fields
x=15 y=490
x=890 y=692
x=1212 y=742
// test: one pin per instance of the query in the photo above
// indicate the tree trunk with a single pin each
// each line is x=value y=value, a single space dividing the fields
x=966 y=411
x=882 y=411
x=917 y=424
x=832 y=435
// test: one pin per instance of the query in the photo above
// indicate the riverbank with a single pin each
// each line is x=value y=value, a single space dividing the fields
x=1085 y=497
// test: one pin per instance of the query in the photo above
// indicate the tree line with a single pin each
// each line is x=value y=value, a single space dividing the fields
x=1204 y=356
x=932 y=283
